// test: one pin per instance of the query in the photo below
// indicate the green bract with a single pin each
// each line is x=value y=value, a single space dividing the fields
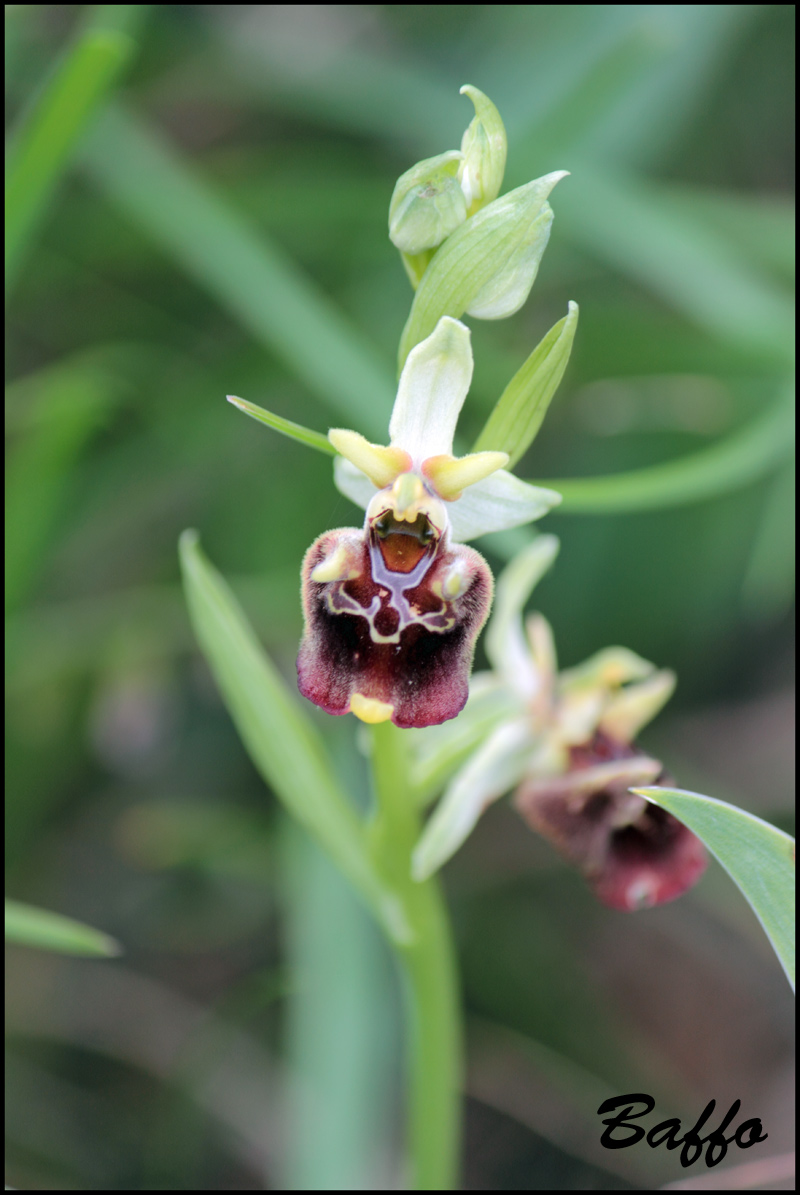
x=518 y=415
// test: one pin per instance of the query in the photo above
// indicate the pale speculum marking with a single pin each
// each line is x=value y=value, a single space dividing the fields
x=395 y=585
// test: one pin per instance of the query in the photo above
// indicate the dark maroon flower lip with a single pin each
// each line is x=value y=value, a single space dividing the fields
x=383 y=641
x=633 y=854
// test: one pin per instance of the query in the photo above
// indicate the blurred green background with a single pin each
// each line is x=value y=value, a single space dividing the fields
x=202 y=211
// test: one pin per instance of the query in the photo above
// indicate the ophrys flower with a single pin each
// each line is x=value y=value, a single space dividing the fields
x=393 y=609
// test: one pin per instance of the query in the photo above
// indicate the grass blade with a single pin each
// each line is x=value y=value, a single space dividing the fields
x=339 y=978
x=251 y=277
x=758 y=857
x=42 y=146
x=28 y=926
x=700 y=272
x=69 y=402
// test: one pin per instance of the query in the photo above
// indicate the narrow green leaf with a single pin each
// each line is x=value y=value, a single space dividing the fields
x=769 y=580
x=42 y=146
x=758 y=857
x=278 y=736
x=588 y=84
x=28 y=926
x=517 y=417
x=63 y=406
x=734 y=461
x=762 y=227
x=696 y=268
x=235 y=262
x=295 y=431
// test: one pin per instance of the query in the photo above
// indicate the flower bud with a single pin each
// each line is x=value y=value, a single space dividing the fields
x=488 y=265
x=427 y=204
x=484 y=148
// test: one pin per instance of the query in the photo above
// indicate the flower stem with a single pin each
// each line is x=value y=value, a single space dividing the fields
x=427 y=959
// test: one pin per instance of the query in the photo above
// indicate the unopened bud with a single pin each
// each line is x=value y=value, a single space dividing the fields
x=427 y=204
x=484 y=148
x=488 y=265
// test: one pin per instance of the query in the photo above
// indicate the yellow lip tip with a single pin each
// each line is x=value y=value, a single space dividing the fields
x=369 y=709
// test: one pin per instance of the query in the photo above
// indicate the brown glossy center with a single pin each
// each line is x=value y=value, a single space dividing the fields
x=402 y=544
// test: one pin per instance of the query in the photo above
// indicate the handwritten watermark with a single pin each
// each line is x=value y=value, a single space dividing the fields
x=621 y=1132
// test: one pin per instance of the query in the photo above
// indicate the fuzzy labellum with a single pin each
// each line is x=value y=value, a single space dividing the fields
x=633 y=854
x=392 y=614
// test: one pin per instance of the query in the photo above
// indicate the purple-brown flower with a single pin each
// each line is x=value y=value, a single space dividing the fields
x=564 y=743
x=392 y=610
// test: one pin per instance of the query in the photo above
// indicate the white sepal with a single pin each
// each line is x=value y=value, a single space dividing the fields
x=498 y=765
x=506 y=644
x=351 y=482
x=431 y=393
x=498 y=503
x=438 y=751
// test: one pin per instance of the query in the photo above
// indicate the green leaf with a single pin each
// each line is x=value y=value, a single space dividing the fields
x=279 y=738
x=517 y=417
x=758 y=857
x=295 y=431
x=761 y=226
x=42 y=146
x=334 y=953
x=734 y=461
x=262 y=288
x=28 y=926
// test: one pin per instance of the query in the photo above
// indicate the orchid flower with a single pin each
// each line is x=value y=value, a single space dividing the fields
x=393 y=609
x=564 y=741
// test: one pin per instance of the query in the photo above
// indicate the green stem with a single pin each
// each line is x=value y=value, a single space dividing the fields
x=427 y=958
